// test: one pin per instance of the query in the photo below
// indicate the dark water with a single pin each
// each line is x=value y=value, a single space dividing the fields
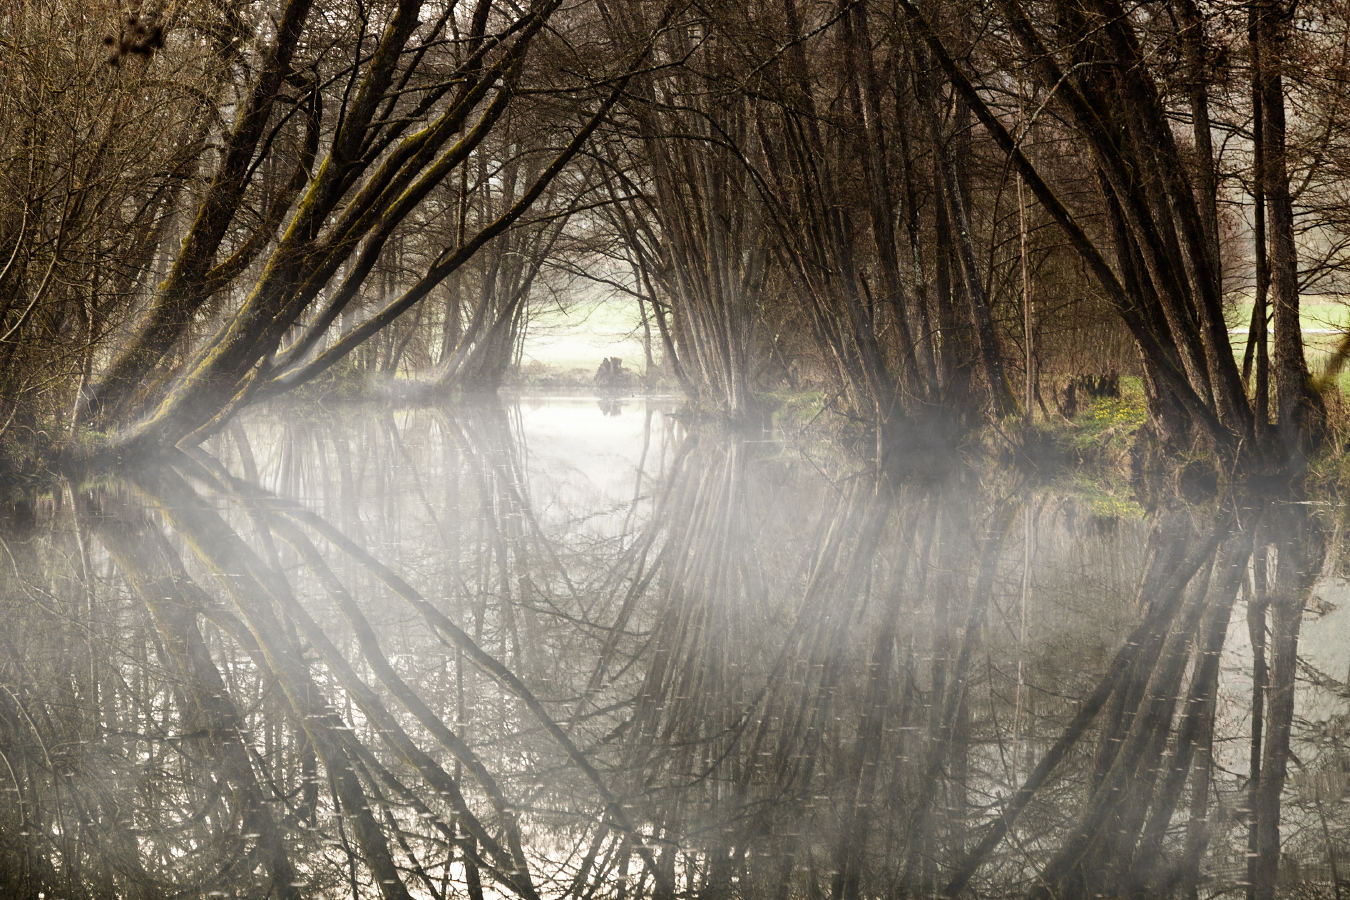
x=546 y=650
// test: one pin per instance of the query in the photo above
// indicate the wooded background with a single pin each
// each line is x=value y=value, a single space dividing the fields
x=928 y=211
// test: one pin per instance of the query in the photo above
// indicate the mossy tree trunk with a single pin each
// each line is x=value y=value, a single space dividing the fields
x=268 y=274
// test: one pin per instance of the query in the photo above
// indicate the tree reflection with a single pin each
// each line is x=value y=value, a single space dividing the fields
x=365 y=662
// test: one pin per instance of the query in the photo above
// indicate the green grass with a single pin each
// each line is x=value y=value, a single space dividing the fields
x=582 y=335
x=1314 y=315
x=1099 y=443
x=793 y=408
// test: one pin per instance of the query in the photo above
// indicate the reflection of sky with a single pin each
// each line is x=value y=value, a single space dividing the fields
x=1323 y=644
x=1324 y=641
x=583 y=464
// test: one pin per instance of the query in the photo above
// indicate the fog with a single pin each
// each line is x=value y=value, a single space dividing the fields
x=554 y=648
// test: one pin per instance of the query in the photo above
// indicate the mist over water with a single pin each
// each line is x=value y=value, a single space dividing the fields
x=542 y=649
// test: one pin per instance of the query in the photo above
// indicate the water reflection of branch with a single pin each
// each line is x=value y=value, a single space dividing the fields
x=770 y=689
x=248 y=581
x=498 y=457
x=1000 y=521
x=1099 y=849
x=437 y=778
x=1298 y=544
x=156 y=574
x=388 y=727
x=1162 y=587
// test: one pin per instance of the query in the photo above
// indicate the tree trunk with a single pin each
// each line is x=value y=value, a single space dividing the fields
x=1301 y=413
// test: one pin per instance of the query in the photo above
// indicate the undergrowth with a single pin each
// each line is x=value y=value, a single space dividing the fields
x=1110 y=424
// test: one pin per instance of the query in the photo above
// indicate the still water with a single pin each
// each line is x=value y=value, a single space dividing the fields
x=559 y=649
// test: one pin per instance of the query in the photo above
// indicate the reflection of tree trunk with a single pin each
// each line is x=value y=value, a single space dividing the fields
x=1298 y=547
x=1258 y=604
x=691 y=709
x=1167 y=544
x=1190 y=756
x=248 y=583
x=437 y=778
x=442 y=625
x=860 y=785
x=154 y=572
x=949 y=707
x=1116 y=847
x=1087 y=854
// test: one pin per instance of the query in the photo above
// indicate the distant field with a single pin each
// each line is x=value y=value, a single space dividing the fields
x=1315 y=315
x=1323 y=325
x=584 y=334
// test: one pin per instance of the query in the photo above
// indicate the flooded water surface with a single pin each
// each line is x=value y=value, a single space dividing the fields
x=556 y=648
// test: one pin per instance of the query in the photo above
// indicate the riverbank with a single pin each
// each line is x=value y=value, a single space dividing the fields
x=1091 y=430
